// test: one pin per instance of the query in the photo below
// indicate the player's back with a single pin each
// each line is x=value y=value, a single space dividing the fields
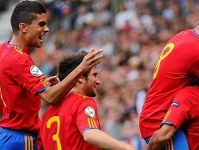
x=176 y=68
x=59 y=128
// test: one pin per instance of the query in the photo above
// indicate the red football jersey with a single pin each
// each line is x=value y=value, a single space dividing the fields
x=20 y=80
x=63 y=125
x=176 y=68
x=185 y=107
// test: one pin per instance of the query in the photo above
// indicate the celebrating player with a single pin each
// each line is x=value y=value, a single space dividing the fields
x=74 y=124
x=176 y=68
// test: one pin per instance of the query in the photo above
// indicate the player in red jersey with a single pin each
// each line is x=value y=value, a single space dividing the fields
x=22 y=84
x=73 y=124
x=183 y=113
x=176 y=68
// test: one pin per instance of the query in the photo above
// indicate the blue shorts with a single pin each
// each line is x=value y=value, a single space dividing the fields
x=17 y=140
x=178 y=141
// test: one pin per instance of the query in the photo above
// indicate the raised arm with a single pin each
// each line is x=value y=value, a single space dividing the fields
x=56 y=93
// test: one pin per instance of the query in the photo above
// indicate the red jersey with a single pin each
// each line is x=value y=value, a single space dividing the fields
x=20 y=80
x=63 y=125
x=176 y=68
x=184 y=110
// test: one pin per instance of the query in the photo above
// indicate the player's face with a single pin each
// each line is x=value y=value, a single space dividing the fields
x=91 y=83
x=37 y=30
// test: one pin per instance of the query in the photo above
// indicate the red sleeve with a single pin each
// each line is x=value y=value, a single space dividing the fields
x=28 y=75
x=182 y=107
x=175 y=115
x=87 y=117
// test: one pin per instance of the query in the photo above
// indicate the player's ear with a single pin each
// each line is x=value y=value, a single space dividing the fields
x=23 y=27
x=81 y=79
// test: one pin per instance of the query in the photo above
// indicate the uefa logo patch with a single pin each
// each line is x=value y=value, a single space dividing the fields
x=90 y=111
x=176 y=104
x=35 y=71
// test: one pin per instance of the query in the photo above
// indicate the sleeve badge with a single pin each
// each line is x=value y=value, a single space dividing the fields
x=175 y=104
x=89 y=111
x=35 y=71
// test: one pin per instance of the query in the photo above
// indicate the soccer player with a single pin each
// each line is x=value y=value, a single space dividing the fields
x=73 y=124
x=183 y=112
x=176 y=68
x=23 y=85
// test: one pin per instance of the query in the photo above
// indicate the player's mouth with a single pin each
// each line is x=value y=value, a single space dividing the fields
x=40 y=37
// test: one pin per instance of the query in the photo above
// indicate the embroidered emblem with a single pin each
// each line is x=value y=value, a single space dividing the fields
x=175 y=104
x=19 y=50
x=35 y=71
x=90 y=111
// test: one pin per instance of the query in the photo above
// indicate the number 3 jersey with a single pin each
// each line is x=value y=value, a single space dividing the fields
x=63 y=125
x=177 y=67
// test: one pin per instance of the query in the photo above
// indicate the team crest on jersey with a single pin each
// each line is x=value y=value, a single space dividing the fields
x=35 y=71
x=19 y=50
x=90 y=111
x=176 y=104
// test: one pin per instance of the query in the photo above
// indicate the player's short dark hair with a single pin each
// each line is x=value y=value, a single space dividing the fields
x=25 y=12
x=69 y=63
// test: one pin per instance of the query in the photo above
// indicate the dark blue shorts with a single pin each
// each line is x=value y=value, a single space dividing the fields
x=17 y=140
x=178 y=141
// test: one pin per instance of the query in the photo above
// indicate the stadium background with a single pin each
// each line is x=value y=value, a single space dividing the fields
x=132 y=34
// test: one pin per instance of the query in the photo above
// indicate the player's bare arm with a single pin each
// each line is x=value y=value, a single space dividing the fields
x=102 y=140
x=53 y=80
x=161 y=137
x=56 y=93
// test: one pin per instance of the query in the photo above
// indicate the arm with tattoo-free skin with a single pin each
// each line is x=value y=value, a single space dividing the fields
x=54 y=94
x=161 y=137
x=102 y=140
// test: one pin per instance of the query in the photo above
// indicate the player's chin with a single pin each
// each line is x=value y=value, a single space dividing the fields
x=39 y=44
x=93 y=94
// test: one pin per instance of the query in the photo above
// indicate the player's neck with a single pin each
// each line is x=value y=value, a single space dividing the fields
x=196 y=29
x=15 y=40
x=79 y=94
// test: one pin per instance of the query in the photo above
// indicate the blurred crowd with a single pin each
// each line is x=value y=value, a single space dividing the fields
x=132 y=34
x=4 y=5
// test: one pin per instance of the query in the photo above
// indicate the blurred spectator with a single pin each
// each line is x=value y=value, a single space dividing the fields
x=4 y=5
x=126 y=18
x=83 y=16
x=102 y=12
x=61 y=8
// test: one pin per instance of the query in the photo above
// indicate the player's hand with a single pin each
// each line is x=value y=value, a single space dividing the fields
x=53 y=80
x=93 y=58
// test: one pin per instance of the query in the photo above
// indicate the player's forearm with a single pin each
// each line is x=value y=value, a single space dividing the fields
x=56 y=93
x=104 y=141
x=156 y=144
x=161 y=137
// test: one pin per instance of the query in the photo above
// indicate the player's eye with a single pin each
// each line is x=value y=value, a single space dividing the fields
x=42 y=24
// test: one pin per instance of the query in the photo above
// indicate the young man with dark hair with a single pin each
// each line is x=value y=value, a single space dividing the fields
x=74 y=124
x=23 y=85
